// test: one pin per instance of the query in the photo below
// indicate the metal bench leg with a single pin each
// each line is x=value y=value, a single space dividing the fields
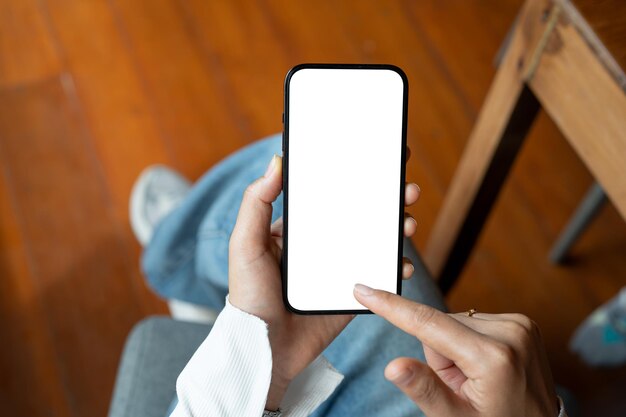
x=587 y=210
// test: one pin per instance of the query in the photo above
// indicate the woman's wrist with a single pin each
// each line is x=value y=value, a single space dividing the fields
x=276 y=392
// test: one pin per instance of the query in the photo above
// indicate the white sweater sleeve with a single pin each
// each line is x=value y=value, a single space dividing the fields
x=230 y=373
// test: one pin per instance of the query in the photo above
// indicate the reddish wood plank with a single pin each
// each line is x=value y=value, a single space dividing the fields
x=105 y=85
x=27 y=52
x=81 y=269
x=465 y=37
x=249 y=56
x=27 y=352
x=190 y=98
x=312 y=31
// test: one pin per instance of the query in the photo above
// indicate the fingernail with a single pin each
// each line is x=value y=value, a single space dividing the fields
x=412 y=219
x=403 y=377
x=271 y=167
x=419 y=190
x=410 y=268
x=363 y=289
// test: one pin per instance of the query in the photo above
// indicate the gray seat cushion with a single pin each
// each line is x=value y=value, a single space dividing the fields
x=156 y=351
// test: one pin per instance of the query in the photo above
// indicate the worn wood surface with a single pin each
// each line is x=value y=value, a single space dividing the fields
x=606 y=20
x=587 y=104
x=93 y=91
x=490 y=150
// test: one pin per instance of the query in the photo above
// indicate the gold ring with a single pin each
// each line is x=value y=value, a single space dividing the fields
x=471 y=312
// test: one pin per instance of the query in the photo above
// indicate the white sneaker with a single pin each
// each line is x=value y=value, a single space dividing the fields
x=157 y=192
x=184 y=311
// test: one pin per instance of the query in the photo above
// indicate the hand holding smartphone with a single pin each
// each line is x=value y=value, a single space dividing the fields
x=344 y=146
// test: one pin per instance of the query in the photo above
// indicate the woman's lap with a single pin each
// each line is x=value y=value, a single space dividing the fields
x=187 y=259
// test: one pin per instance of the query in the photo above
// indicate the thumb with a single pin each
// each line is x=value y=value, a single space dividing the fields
x=420 y=383
x=255 y=213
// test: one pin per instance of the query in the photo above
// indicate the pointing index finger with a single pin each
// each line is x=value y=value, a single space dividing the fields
x=434 y=328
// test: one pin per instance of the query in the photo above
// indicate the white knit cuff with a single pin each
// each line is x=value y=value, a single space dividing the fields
x=230 y=373
x=310 y=388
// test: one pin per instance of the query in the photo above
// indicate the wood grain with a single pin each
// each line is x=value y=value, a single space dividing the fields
x=587 y=104
x=96 y=90
x=240 y=37
x=26 y=45
x=27 y=354
x=606 y=19
x=129 y=138
x=72 y=239
x=190 y=100
x=482 y=148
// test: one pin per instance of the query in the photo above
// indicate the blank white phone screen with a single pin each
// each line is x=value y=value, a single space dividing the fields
x=345 y=145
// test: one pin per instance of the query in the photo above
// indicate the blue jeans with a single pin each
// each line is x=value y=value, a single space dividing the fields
x=187 y=259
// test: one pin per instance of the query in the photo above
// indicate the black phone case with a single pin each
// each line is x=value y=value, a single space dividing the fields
x=285 y=148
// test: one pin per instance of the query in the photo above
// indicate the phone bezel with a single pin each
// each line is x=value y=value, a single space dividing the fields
x=285 y=148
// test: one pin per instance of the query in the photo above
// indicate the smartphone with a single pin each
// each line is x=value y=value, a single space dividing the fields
x=344 y=144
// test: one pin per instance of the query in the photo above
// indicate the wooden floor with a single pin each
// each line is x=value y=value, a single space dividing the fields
x=93 y=91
